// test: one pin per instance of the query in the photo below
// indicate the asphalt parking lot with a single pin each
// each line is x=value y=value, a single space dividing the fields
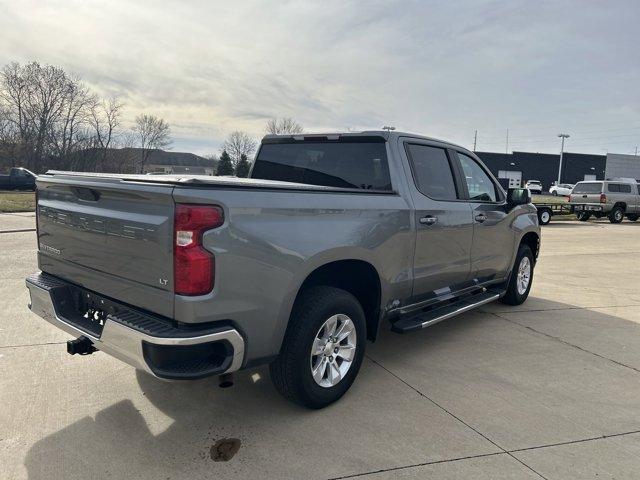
x=549 y=389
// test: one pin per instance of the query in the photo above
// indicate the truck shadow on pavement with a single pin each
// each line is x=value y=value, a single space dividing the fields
x=168 y=430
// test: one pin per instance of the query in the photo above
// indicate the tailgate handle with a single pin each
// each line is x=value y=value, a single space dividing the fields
x=88 y=194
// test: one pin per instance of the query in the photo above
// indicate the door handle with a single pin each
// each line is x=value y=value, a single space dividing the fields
x=428 y=220
x=481 y=217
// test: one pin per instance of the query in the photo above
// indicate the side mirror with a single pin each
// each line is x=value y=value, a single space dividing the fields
x=518 y=196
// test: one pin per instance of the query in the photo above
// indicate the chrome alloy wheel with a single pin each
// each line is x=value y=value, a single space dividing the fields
x=524 y=275
x=618 y=215
x=333 y=350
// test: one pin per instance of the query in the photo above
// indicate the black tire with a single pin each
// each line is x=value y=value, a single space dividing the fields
x=583 y=216
x=513 y=296
x=632 y=218
x=291 y=371
x=616 y=215
x=544 y=216
x=555 y=193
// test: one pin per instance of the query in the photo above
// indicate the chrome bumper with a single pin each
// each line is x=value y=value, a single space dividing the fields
x=121 y=341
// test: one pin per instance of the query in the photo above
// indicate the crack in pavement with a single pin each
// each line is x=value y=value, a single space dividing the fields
x=33 y=345
x=483 y=455
x=18 y=230
x=504 y=451
x=565 y=342
x=560 y=309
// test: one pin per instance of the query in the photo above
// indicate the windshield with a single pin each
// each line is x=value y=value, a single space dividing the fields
x=356 y=163
x=595 y=187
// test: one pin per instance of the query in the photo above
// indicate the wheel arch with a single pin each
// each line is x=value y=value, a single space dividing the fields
x=532 y=240
x=358 y=277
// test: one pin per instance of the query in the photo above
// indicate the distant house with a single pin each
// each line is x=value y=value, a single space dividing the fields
x=129 y=160
x=162 y=161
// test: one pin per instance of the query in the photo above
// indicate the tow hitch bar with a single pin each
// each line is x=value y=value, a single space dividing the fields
x=81 y=346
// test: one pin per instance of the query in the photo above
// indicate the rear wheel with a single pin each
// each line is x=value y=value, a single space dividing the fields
x=555 y=193
x=616 y=215
x=521 y=277
x=323 y=348
x=583 y=216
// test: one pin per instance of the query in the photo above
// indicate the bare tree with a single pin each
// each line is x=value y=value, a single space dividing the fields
x=36 y=97
x=238 y=144
x=283 y=126
x=69 y=130
x=105 y=119
x=152 y=133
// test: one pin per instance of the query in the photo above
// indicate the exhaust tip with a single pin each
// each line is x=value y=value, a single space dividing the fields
x=225 y=380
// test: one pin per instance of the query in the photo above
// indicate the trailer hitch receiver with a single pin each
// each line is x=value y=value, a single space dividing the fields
x=81 y=346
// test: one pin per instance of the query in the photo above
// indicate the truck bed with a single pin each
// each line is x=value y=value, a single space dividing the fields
x=212 y=182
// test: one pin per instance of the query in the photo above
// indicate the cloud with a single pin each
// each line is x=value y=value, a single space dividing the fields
x=439 y=68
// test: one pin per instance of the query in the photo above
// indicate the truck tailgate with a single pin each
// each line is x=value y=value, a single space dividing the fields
x=109 y=235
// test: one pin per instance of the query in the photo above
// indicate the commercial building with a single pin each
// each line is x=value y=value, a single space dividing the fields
x=519 y=167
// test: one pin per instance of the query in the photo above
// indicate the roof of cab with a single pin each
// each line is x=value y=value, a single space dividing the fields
x=386 y=134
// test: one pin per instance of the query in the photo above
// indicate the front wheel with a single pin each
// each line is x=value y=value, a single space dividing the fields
x=521 y=277
x=323 y=348
x=616 y=215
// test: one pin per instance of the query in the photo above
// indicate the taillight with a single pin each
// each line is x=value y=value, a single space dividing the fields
x=603 y=198
x=193 y=266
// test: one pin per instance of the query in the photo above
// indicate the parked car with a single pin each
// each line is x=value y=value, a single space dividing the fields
x=563 y=189
x=612 y=199
x=297 y=266
x=18 y=179
x=534 y=186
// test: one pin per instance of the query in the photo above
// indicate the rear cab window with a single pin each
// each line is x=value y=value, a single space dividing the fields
x=588 y=187
x=350 y=162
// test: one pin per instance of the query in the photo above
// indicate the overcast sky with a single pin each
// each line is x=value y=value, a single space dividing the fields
x=439 y=68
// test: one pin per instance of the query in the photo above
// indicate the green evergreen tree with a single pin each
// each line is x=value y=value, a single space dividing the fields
x=243 y=167
x=225 y=165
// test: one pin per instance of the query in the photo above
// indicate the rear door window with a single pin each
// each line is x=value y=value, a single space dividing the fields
x=432 y=171
x=357 y=163
x=595 y=187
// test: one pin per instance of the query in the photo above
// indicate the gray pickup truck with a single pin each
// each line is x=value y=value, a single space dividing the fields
x=296 y=267
x=614 y=199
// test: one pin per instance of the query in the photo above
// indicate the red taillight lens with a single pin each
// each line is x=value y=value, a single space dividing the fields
x=603 y=198
x=193 y=266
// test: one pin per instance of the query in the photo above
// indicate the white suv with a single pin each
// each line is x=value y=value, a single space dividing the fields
x=534 y=186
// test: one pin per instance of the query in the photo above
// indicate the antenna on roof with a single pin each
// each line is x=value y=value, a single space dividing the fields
x=388 y=129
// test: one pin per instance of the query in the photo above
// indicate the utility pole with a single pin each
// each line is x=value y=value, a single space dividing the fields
x=562 y=136
x=636 y=150
x=475 y=140
x=506 y=150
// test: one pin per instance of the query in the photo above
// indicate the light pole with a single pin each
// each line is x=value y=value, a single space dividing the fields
x=562 y=136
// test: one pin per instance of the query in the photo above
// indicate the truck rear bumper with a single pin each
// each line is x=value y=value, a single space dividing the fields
x=140 y=339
